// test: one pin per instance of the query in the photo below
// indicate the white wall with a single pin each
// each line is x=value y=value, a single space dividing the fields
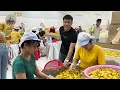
x=3 y=15
x=90 y=17
x=83 y=18
x=49 y=18
x=42 y=14
x=34 y=22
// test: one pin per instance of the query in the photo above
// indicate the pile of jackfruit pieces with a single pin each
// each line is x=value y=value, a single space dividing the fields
x=110 y=53
x=104 y=73
x=74 y=74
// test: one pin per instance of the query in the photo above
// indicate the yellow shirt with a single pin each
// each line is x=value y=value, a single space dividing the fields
x=8 y=29
x=15 y=37
x=93 y=57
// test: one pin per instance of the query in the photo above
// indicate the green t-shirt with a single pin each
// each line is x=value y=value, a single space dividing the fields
x=20 y=65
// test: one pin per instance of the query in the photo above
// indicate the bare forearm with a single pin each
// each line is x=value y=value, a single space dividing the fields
x=69 y=54
x=41 y=75
x=21 y=76
x=75 y=61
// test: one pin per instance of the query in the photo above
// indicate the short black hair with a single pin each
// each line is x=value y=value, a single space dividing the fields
x=29 y=42
x=90 y=41
x=42 y=33
x=16 y=29
x=68 y=17
x=34 y=31
x=99 y=20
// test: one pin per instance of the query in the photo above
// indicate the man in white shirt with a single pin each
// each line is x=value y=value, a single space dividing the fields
x=95 y=30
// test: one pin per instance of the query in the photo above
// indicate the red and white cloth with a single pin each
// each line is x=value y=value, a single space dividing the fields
x=37 y=54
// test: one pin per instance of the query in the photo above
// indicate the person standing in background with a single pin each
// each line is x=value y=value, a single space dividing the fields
x=95 y=30
x=37 y=52
x=9 y=24
x=22 y=26
x=41 y=36
x=69 y=39
x=40 y=29
x=3 y=57
x=42 y=26
x=43 y=43
x=79 y=30
x=34 y=30
x=22 y=29
x=15 y=35
x=14 y=40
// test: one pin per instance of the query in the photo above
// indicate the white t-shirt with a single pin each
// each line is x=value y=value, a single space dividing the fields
x=96 y=31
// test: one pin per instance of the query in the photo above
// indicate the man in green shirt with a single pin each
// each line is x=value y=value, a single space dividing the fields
x=24 y=66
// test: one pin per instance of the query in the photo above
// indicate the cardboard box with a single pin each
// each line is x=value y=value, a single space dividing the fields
x=112 y=31
x=110 y=46
x=109 y=39
x=115 y=17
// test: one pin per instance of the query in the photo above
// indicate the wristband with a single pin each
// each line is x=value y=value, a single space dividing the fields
x=66 y=60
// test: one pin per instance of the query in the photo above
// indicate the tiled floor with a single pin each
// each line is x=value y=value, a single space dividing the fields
x=41 y=62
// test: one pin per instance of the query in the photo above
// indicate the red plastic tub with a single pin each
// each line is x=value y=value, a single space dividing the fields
x=53 y=65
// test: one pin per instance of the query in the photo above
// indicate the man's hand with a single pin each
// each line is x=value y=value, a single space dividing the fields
x=72 y=67
x=51 y=77
x=66 y=63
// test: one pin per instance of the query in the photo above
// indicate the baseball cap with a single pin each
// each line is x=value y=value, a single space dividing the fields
x=84 y=38
x=40 y=28
x=28 y=36
x=34 y=29
x=16 y=27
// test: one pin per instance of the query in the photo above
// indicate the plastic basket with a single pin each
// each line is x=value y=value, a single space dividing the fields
x=86 y=71
x=53 y=65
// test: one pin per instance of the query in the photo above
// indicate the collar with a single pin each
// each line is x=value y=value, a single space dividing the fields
x=97 y=26
x=69 y=30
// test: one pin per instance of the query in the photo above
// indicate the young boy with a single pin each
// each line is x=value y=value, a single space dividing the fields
x=24 y=66
x=43 y=43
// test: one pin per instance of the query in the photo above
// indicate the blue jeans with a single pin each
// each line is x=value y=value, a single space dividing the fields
x=3 y=60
